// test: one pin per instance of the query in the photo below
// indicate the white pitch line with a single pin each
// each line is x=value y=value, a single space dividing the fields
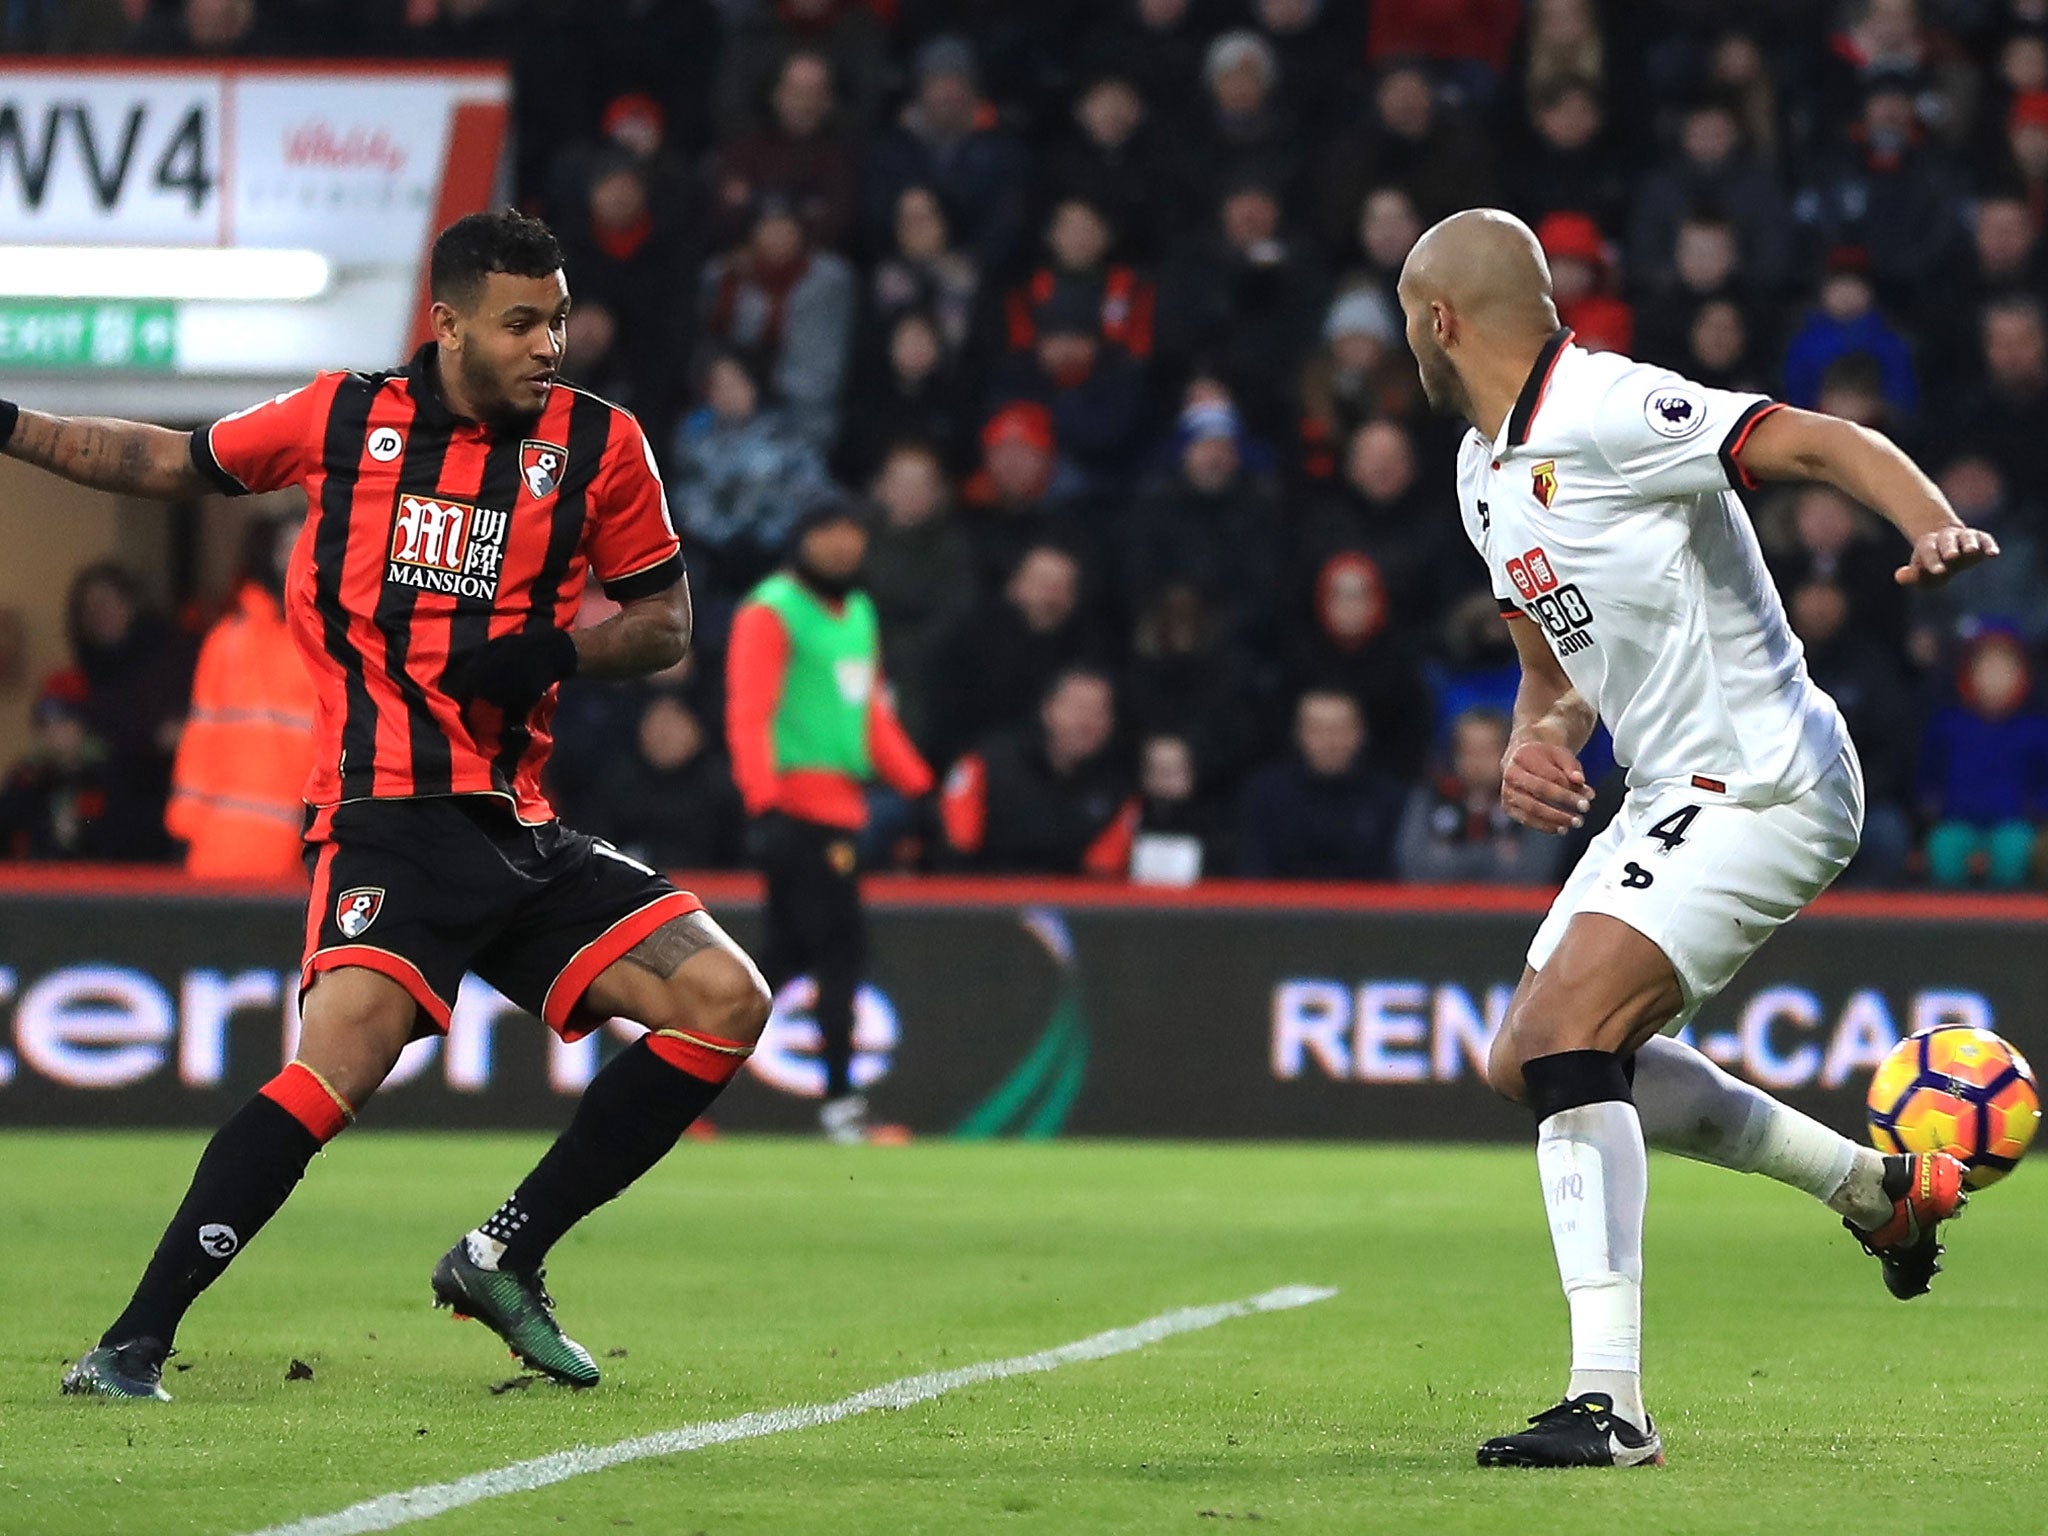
x=391 y=1510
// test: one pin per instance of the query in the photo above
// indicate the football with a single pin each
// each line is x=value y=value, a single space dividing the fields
x=1958 y=1090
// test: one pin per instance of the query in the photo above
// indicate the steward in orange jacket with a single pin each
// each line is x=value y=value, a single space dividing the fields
x=238 y=783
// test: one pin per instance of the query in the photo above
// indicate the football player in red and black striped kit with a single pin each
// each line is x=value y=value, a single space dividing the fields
x=455 y=508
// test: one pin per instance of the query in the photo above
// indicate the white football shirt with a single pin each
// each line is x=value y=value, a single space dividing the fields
x=1607 y=515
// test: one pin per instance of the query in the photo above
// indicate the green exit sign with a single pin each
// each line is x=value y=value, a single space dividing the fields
x=81 y=336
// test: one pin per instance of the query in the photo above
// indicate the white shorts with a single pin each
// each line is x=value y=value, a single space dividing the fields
x=1707 y=880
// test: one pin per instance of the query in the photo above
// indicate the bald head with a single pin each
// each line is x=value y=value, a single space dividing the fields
x=1476 y=294
x=1487 y=267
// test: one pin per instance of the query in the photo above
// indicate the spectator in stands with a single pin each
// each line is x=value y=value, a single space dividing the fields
x=742 y=473
x=239 y=778
x=2026 y=146
x=1326 y=812
x=762 y=34
x=2002 y=415
x=1362 y=372
x=996 y=665
x=919 y=574
x=1380 y=508
x=1714 y=168
x=1023 y=493
x=1247 y=131
x=1408 y=138
x=1454 y=830
x=1582 y=283
x=1720 y=349
x=68 y=26
x=1118 y=300
x=1387 y=227
x=1317 y=47
x=789 y=307
x=1834 y=540
x=2004 y=259
x=220 y=29
x=1844 y=323
x=1706 y=268
x=1885 y=190
x=1567 y=163
x=53 y=803
x=1158 y=46
x=1469 y=37
x=2013 y=589
x=948 y=139
x=1862 y=675
x=1051 y=799
x=1245 y=300
x=138 y=684
x=926 y=273
x=911 y=392
x=1187 y=680
x=626 y=329
x=1092 y=389
x=799 y=153
x=668 y=800
x=1179 y=837
x=1984 y=770
x=1344 y=641
x=1559 y=41
x=1020 y=45
x=1210 y=525
x=1111 y=161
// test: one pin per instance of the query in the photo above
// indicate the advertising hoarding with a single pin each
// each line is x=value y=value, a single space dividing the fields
x=1008 y=1009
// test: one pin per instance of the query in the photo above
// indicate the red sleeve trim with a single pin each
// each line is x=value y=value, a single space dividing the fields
x=1738 y=435
x=1509 y=611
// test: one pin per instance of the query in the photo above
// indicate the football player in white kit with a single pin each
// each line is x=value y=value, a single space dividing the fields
x=1601 y=494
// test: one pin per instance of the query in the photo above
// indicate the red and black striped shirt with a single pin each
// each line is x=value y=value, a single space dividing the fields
x=426 y=535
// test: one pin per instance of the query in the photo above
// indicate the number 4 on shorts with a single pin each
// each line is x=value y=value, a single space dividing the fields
x=1671 y=830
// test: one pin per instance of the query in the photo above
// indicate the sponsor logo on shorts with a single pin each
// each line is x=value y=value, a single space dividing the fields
x=540 y=466
x=355 y=910
x=447 y=546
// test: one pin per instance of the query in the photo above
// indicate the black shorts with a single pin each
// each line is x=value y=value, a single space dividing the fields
x=424 y=890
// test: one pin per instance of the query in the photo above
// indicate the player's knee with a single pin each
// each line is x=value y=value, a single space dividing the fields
x=719 y=994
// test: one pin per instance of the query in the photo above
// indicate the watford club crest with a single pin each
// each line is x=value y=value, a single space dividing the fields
x=540 y=466
x=1544 y=476
x=355 y=910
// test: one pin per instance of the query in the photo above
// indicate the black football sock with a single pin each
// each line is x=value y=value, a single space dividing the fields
x=247 y=1171
x=632 y=1113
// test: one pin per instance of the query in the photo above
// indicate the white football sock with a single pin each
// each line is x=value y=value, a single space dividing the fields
x=1691 y=1107
x=1595 y=1182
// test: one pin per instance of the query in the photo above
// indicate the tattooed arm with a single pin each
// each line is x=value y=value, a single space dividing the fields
x=128 y=457
x=644 y=636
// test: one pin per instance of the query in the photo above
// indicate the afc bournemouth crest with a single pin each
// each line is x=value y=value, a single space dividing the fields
x=355 y=910
x=1544 y=476
x=540 y=466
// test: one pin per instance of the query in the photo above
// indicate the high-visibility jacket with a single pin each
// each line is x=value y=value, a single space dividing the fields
x=238 y=783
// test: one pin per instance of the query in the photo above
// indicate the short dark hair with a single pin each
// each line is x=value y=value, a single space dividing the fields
x=502 y=240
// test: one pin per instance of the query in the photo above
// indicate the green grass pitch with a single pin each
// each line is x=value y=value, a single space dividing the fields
x=1793 y=1393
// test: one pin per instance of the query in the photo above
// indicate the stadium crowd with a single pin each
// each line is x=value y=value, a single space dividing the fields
x=1089 y=304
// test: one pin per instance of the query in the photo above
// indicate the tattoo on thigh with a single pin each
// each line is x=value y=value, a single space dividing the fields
x=664 y=950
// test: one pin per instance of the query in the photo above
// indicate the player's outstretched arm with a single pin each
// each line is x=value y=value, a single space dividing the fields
x=1542 y=784
x=1792 y=444
x=130 y=458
